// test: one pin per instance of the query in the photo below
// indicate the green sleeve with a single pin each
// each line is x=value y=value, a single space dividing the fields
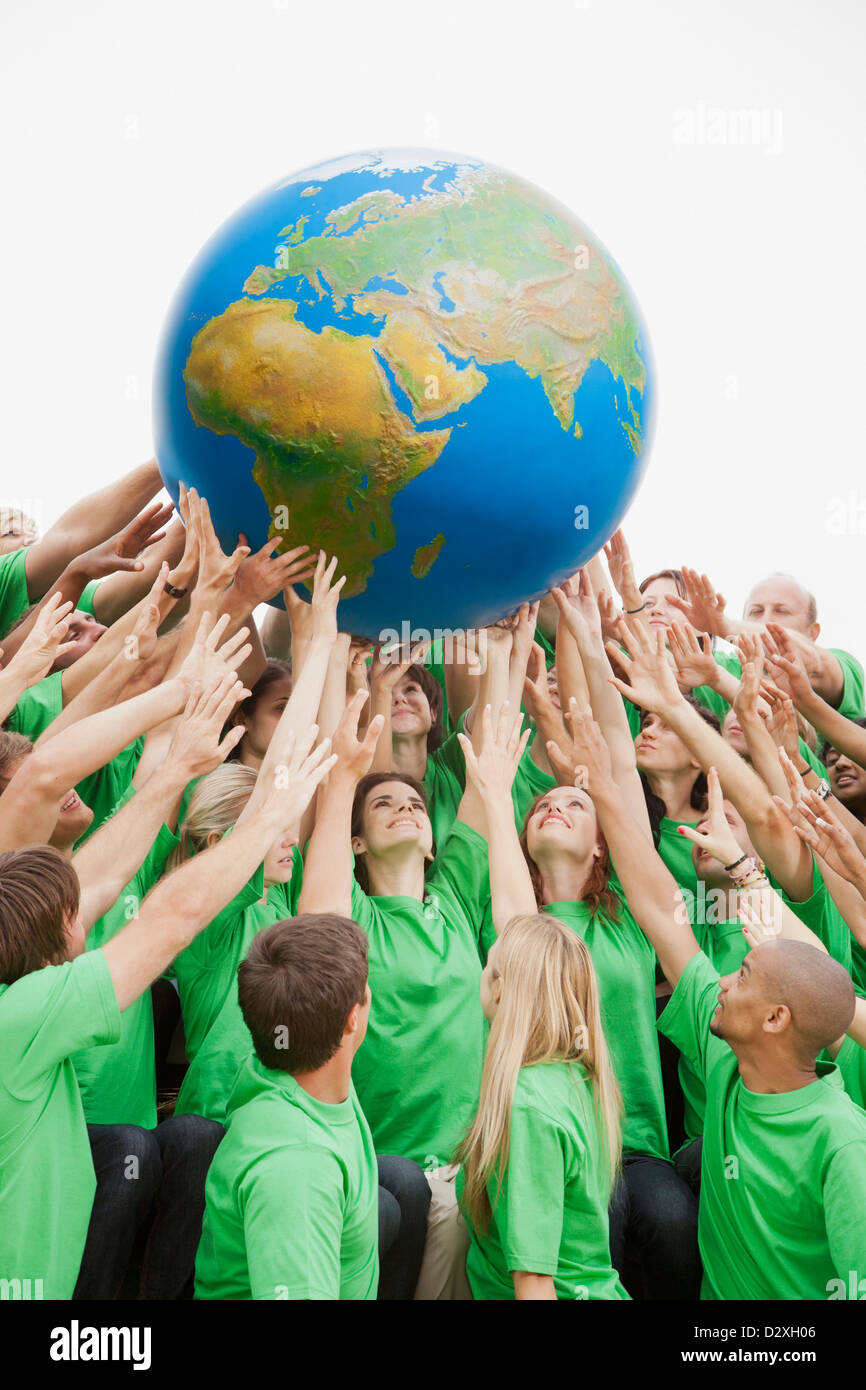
x=53 y=1012
x=129 y=901
x=851 y=704
x=362 y=907
x=292 y=1207
x=435 y=663
x=37 y=707
x=845 y=1207
x=85 y=603
x=462 y=871
x=449 y=755
x=14 y=599
x=820 y=914
x=686 y=1019
x=529 y=1213
x=207 y=948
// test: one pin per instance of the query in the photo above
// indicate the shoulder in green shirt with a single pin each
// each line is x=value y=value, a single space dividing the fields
x=118 y=1084
x=550 y=1215
x=624 y=964
x=291 y=1197
x=14 y=599
x=783 y=1176
x=217 y=1039
x=47 y=1186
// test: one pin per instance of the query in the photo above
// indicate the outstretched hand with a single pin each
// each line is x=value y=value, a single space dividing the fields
x=587 y=763
x=43 y=643
x=354 y=755
x=718 y=840
x=196 y=745
x=651 y=681
x=703 y=606
x=492 y=770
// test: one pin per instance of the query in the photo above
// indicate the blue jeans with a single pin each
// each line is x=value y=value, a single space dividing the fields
x=404 y=1199
x=654 y=1231
x=150 y=1185
x=149 y=1182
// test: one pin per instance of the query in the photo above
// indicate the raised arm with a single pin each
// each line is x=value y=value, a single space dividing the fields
x=87 y=523
x=489 y=776
x=28 y=806
x=652 y=685
x=789 y=672
x=114 y=854
x=36 y=655
x=303 y=703
x=327 y=882
x=580 y=616
x=188 y=899
x=652 y=894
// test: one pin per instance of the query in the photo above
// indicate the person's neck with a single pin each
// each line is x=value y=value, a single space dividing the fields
x=330 y=1083
x=675 y=789
x=770 y=1074
x=563 y=880
x=409 y=755
x=249 y=757
x=398 y=874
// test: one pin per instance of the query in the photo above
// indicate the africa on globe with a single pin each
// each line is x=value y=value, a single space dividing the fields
x=419 y=363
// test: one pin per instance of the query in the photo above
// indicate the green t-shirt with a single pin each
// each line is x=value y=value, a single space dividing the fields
x=217 y=1039
x=724 y=944
x=851 y=703
x=418 y=1074
x=624 y=964
x=37 y=707
x=675 y=851
x=13 y=589
x=85 y=602
x=48 y=1182
x=858 y=965
x=444 y=784
x=291 y=1201
x=783 y=1176
x=118 y=1084
x=821 y=915
x=550 y=1216
x=851 y=1061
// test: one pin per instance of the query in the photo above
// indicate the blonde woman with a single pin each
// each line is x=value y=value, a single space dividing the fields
x=541 y=1156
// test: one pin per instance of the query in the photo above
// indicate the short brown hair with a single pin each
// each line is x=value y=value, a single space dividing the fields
x=298 y=985
x=13 y=747
x=39 y=890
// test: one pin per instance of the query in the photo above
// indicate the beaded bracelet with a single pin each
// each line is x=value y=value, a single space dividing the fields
x=744 y=868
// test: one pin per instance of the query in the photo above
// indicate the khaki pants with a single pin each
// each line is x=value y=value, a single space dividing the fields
x=443 y=1268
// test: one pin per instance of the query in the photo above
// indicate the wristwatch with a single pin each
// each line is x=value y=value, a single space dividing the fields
x=823 y=788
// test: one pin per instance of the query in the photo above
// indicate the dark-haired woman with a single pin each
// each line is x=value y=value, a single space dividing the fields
x=419 y=1071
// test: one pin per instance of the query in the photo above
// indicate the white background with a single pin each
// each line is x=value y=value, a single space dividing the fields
x=132 y=130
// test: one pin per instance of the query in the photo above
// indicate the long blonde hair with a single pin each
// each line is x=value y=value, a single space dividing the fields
x=215 y=804
x=548 y=1011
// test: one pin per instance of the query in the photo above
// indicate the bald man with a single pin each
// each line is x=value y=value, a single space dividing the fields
x=836 y=675
x=783 y=1183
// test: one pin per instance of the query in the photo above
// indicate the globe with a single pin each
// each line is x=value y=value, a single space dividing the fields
x=419 y=363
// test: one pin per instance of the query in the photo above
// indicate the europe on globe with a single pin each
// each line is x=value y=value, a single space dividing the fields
x=419 y=363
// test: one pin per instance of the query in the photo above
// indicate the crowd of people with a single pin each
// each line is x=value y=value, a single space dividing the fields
x=529 y=968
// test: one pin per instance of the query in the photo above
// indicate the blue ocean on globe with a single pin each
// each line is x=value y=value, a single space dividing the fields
x=417 y=362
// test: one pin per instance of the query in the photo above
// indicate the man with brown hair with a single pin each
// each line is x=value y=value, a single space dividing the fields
x=291 y=1197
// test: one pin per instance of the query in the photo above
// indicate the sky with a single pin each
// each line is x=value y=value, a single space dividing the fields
x=717 y=149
